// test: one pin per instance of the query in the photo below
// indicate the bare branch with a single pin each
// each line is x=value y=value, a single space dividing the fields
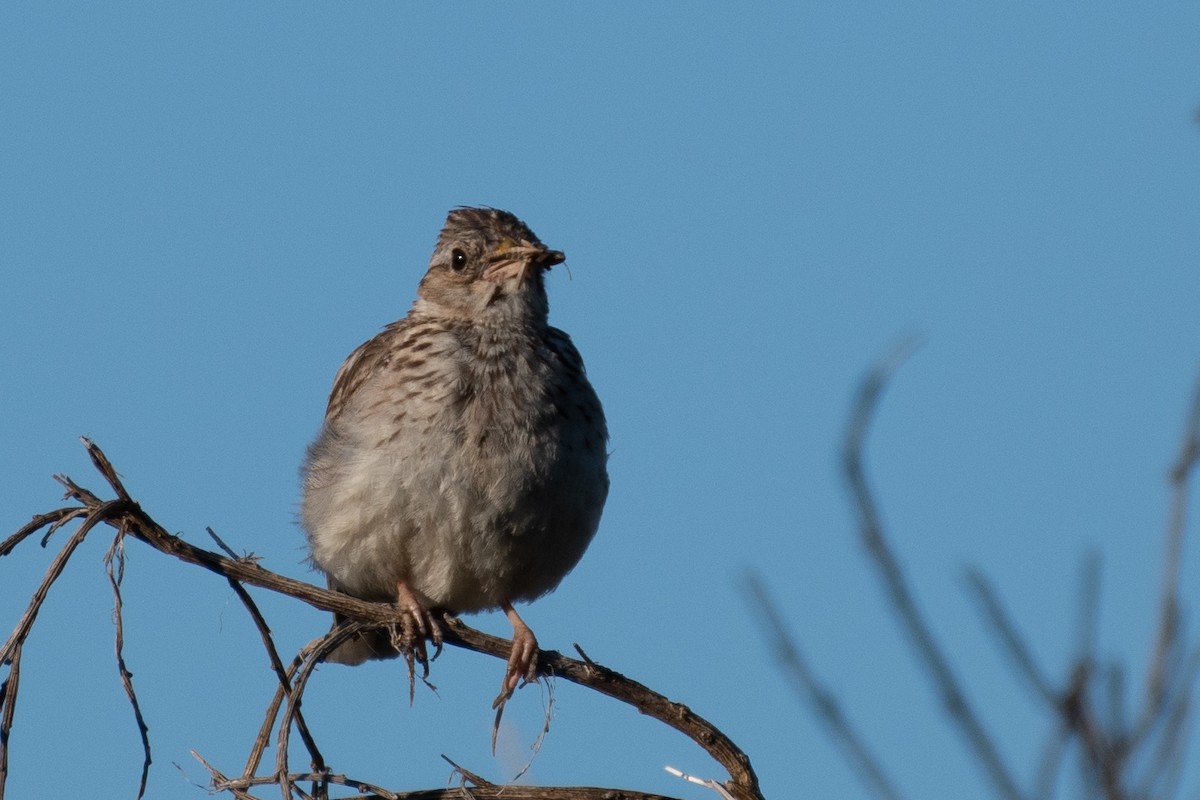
x=787 y=653
x=892 y=576
x=126 y=516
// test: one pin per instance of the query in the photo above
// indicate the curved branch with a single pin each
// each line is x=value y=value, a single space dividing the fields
x=127 y=515
x=892 y=575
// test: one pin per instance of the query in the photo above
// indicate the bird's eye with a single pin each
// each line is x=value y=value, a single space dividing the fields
x=458 y=260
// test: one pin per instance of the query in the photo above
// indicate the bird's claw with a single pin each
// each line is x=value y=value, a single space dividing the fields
x=522 y=666
x=522 y=661
x=416 y=626
x=418 y=623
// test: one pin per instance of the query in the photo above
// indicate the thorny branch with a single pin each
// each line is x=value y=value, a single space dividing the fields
x=1118 y=760
x=130 y=521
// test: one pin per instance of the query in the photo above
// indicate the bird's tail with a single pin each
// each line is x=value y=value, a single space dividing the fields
x=365 y=646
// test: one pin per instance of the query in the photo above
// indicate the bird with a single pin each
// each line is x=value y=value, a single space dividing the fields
x=462 y=464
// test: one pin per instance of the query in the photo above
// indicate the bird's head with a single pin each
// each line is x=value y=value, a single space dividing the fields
x=488 y=267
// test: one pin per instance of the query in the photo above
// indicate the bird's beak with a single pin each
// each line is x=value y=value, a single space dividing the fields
x=516 y=261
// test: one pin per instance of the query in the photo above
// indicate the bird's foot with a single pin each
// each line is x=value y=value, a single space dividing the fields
x=416 y=625
x=522 y=660
x=522 y=665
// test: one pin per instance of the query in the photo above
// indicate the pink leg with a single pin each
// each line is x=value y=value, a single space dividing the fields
x=522 y=662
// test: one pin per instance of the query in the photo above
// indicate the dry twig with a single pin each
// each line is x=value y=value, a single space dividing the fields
x=116 y=554
x=131 y=521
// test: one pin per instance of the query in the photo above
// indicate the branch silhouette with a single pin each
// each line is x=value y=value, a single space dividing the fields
x=1118 y=759
x=130 y=521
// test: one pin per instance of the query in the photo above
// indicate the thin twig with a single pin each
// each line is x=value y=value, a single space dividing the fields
x=1114 y=688
x=1168 y=618
x=1051 y=761
x=1006 y=633
x=862 y=761
x=586 y=658
x=539 y=740
x=116 y=553
x=482 y=791
x=1165 y=764
x=1088 y=625
x=264 y=732
x=220 y=783
x=313 y=655
x=8 y=704
x=1102 y=751
x=95 y=516
x=466 y=774
x=55 y=519
x=892 y=576
x=105 y=468
x=1097 y=758
x=318 y=762
x=708 y=783
x=221 y=543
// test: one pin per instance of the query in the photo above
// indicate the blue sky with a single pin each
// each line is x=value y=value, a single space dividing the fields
x=204 y=207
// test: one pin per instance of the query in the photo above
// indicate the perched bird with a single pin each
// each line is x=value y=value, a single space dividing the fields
x=462 y=463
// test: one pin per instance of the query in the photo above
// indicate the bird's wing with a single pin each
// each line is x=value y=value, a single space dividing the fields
x=565 y=350
x=359 y=366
